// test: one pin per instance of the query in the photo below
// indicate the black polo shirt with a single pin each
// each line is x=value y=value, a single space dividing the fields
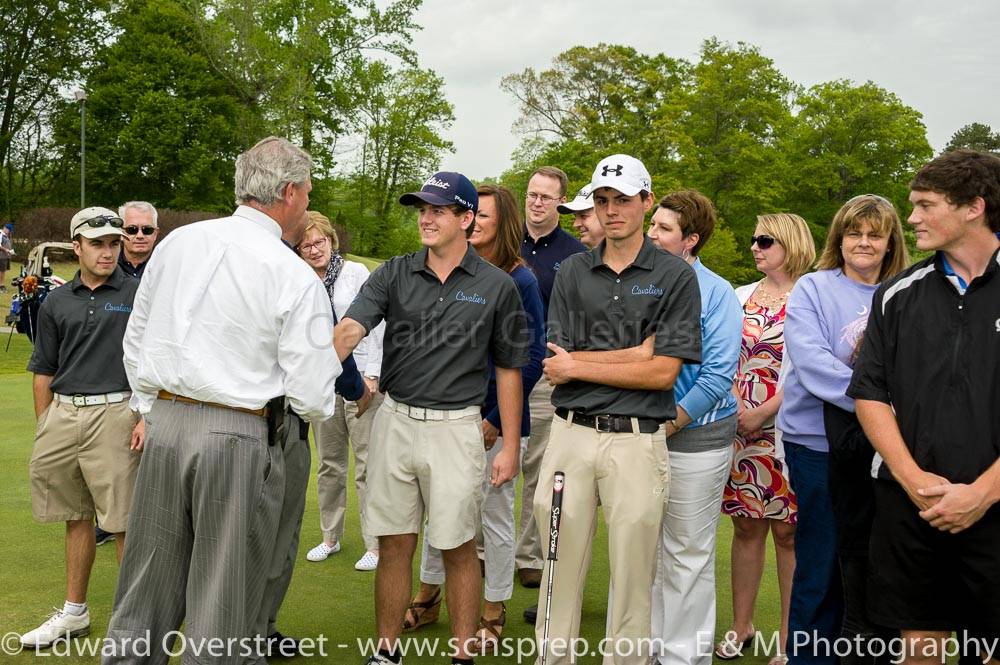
x=933 y=353
x=595 y=309
x=129 y=269
x=438 y=337
x=79 y=336
x=546 y=254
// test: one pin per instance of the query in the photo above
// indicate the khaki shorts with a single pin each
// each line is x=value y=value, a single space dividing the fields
x=418 y=465
x=81 y=465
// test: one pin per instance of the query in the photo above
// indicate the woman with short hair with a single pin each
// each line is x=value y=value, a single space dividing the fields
x=700 y=441
x=320 y=248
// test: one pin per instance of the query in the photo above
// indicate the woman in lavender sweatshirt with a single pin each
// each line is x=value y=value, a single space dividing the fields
x=826 y=318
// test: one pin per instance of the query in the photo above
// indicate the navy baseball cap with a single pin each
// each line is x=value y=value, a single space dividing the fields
x=445 y=188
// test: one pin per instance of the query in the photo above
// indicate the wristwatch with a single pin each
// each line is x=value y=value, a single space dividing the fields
x=673 y=423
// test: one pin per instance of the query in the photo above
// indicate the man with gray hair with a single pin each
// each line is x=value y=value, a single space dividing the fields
x=241 y=326
x=141 y=231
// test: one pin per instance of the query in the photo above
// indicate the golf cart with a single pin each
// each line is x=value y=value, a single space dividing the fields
x=34 y=283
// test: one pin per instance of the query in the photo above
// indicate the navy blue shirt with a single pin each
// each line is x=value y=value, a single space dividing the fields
x=129 y=269
x=531 y=300
x=545 y=255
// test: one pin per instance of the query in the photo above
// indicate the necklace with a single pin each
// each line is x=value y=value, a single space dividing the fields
x=768 y=300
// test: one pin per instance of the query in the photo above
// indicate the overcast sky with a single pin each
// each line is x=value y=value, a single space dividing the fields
x=942 y=58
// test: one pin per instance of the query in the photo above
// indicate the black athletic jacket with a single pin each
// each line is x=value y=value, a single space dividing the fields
x=934 y=355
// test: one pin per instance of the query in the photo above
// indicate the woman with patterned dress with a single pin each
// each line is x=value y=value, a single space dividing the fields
x=758 y=496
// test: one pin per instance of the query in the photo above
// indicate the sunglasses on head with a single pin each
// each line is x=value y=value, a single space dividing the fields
x=102 y=220
x=762 y=241
x=134 y=230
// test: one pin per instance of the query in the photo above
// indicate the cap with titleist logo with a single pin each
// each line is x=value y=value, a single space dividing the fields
x=584 y=200
x=622 y=172
x=94 y=222
x=445 y=188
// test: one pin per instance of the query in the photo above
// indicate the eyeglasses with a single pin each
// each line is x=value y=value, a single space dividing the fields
x=762 y=241
x=134 y=230
x=101 y=220
x=541 y=198
x=318 y=245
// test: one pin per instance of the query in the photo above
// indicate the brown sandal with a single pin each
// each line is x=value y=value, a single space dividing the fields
x=490 y=630
x=423 y=612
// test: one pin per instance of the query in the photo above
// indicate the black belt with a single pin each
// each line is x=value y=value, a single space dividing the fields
x=609 y=423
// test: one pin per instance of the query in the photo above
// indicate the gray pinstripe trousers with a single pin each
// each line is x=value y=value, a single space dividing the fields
x=286 y=540
x=201 y=536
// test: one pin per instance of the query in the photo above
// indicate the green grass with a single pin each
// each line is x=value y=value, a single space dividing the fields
x=328 y=598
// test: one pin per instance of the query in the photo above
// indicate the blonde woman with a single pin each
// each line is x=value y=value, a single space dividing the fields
x=320 y=248
x=758 y=496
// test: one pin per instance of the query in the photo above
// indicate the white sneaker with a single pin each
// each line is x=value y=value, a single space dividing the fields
x=368 y=562
x=378 y=659
x=59 y=626
x=321 y=551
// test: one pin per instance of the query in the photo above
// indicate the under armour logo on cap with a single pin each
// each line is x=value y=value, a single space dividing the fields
x=623 y=173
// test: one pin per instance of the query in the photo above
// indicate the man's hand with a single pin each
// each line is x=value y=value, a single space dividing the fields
x=919 y=480
x=504 y=466
x=138 y=439
x=364 y=401
x=558 y=368
x=490 y=434
x=372 y=383
x=958 y=506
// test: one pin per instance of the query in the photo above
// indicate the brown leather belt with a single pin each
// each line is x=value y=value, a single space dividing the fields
x=163 y=394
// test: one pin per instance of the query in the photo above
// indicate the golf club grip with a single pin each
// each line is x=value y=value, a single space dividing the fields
x=555 y=517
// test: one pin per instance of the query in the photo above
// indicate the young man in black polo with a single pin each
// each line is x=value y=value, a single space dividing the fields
x=544 y=247
x=622 y=319
x=926 y=387
x=88 y=440
x=446 y=311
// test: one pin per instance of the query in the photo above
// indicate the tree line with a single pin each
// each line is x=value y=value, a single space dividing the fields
x=176 y=89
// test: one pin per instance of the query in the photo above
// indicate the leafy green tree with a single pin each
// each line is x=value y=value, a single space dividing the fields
x=851 y=139
x=399 y=120
x=736 y=110
x=292 y=64
x=44 y=44
x=975 y=136
x=161 y=125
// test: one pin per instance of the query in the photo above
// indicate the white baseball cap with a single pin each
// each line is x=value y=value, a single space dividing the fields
x=583 y=201
x=623 y=173
x=95 y=222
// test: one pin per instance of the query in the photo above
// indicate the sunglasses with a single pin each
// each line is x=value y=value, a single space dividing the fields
x=134 y=230
x=102 y=220
x=764 y=242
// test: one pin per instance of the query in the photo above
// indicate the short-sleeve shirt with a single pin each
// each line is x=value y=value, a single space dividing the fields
x=594 y=308
x=79 y=337
x=438 y=336
x=932 y=351
x=546 y=255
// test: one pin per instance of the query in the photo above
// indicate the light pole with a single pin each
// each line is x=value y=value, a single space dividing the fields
x=81 y=96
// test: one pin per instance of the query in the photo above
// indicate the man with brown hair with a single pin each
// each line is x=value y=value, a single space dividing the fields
x=87 y=441
x=544 y=248
x=925 y=387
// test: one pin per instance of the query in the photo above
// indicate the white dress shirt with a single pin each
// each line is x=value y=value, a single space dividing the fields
x=368 y=353
x=226 y=313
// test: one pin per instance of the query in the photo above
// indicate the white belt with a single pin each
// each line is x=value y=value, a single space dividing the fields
x=92 y=400
x=424 y=413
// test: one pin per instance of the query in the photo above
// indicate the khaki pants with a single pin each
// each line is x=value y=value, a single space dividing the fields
x=632 y=474
x=332 y=437
x=528 y=553
x=81 y=465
